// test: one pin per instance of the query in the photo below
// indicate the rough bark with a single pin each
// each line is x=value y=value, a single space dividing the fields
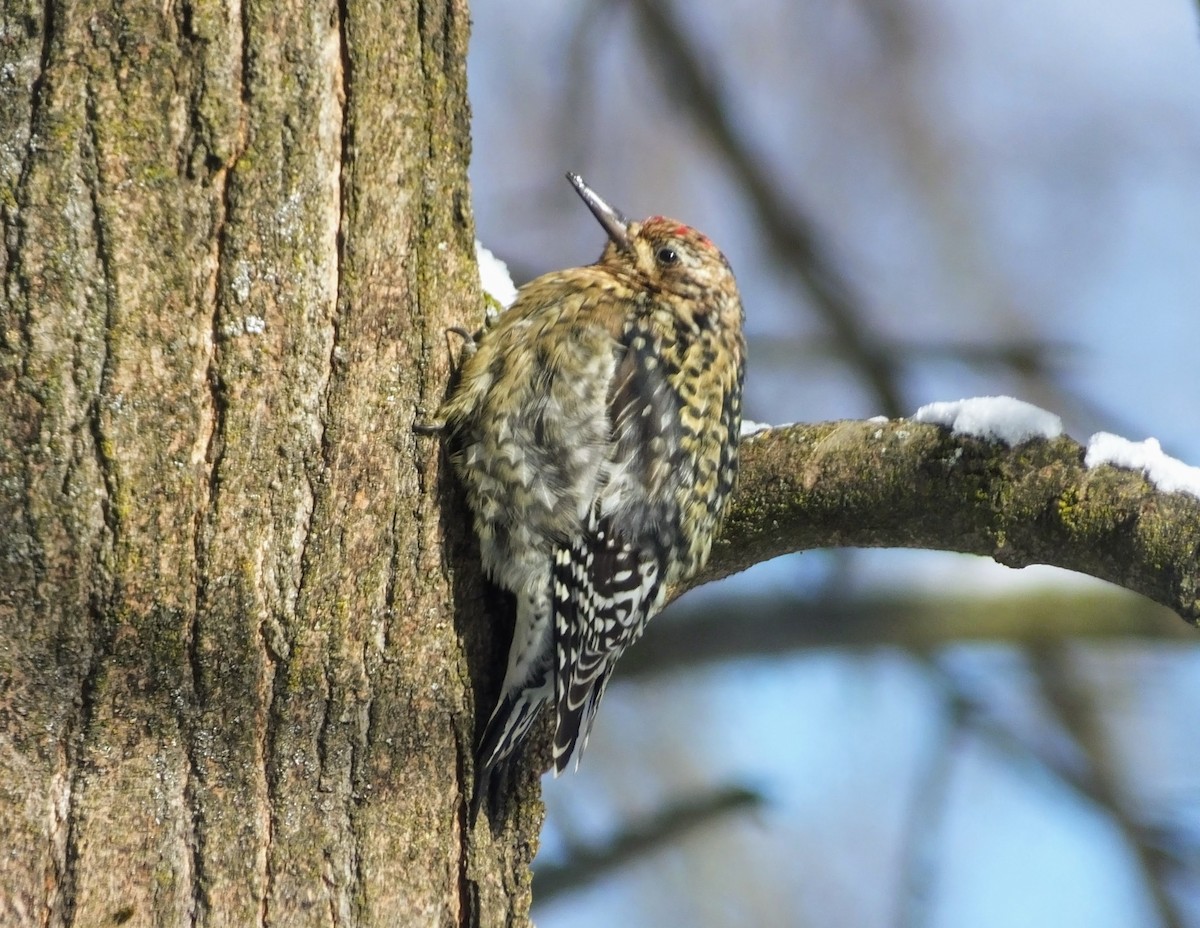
x=232 y=690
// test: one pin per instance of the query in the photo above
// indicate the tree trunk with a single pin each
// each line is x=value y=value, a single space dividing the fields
x=232 y=686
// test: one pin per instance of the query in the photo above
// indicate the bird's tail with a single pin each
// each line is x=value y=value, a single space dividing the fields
x=507 y=728
x=575 y=712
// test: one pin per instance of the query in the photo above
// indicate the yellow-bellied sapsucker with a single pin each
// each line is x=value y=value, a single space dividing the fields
x=595 y=429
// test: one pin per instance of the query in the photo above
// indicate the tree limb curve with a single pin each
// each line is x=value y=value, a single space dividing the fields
x=903 y=484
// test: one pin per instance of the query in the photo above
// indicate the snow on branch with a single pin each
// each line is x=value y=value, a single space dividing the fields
x=1119 y=511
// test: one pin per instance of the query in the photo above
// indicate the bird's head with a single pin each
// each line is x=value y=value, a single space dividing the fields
x=663 y=254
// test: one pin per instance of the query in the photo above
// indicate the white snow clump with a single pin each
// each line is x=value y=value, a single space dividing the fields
x=997 y=417
x=494 y=277
x=1169 y=474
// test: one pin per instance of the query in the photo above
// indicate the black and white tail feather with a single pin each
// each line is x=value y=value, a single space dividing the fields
x=507 y=728
x=604 y=590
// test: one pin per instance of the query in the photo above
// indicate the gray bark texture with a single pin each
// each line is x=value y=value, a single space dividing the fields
x=232 y=686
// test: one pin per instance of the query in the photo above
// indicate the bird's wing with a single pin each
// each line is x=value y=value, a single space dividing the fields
x=608 y=579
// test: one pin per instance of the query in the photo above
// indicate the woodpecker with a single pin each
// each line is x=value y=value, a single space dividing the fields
x=594 y=428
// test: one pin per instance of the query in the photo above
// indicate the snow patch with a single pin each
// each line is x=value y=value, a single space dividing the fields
x=997 y=417
x=750 y=427
x=494 y=277
x=1167 y=473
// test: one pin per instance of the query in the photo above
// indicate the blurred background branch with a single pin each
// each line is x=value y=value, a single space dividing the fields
x=586 y=864
x=1071 y=703
x=786 y=230
x=718 y=629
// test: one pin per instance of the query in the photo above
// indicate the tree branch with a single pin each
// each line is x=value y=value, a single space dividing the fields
x=903 y=484
x=587 y=864
x=1072 y=704
x=770 y=626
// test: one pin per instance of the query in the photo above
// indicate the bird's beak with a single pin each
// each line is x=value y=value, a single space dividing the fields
x=616 y=225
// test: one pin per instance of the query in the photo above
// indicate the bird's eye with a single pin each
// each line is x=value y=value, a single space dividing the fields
x=666 y=256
